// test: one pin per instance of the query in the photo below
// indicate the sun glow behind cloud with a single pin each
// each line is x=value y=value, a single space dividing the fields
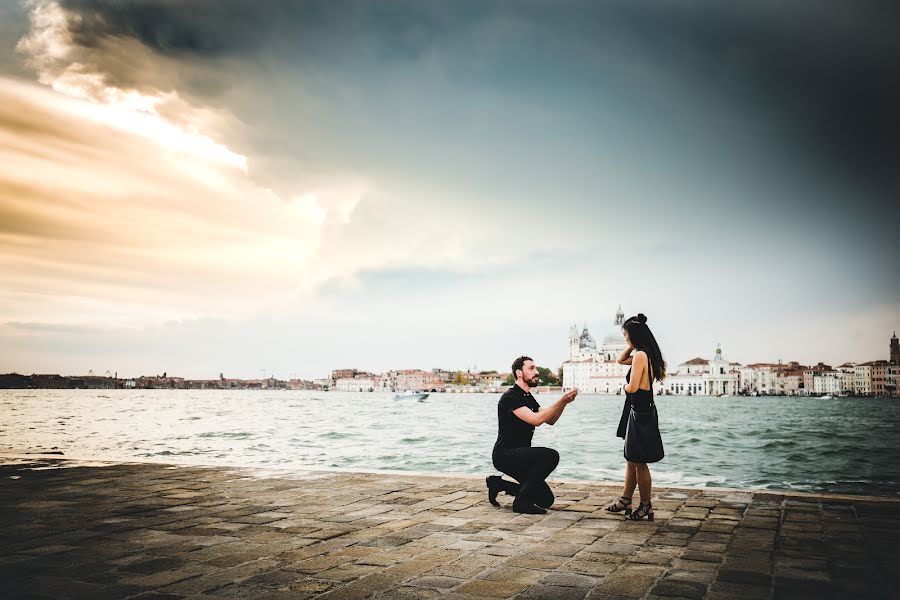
x=93 y=212
x=48 y=48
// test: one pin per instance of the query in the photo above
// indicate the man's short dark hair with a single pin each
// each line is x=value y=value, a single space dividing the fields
x=519 y=364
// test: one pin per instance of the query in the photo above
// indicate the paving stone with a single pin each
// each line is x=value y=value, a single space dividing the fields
x=668 y=586
x=694 y=565
x=705 y=577
x=362 y=588
x=219 y=579
x=711 y=557
x=612 y=548
x=752 y=577
x=590 y=567
x=706 y=546
x=659 y=555
x=512 y=574
x=347 y=572
x=551 y=592
x=718 y=527
x=153 y=566
x=435 y=581
x=736 y=591
x=632 y=581
x=568 y=579
x=494 y=589
x=408 y=593
x=532 y=561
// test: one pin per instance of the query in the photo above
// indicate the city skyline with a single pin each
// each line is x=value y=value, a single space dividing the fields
x=208 y=187
x=295 y=376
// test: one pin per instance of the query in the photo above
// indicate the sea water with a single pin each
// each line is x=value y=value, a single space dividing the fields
x=842 y=445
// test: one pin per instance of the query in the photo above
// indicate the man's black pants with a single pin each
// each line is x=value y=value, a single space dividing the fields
x=530 y=467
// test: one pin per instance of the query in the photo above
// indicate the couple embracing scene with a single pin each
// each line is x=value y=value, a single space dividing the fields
x=518 y=415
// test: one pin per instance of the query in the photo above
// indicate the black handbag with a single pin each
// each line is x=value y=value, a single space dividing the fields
x=643 y=443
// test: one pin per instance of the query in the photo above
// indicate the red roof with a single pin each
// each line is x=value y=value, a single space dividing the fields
x=696 y=361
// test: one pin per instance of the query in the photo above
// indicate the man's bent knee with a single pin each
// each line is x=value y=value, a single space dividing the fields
x=553 y=457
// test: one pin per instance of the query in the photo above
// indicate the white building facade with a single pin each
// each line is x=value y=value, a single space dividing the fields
x=701 y=377
x=593 y=369
x=355 y=384
x=862 y=379
x=760 y=377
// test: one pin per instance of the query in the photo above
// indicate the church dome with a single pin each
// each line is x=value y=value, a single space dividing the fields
x=587 y=340
x=614 y=336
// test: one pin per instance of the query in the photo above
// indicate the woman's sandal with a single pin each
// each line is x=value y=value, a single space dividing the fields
x=643 y=510
x=623 y=503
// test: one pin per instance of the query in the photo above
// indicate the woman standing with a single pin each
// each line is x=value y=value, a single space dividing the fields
x=643 y=354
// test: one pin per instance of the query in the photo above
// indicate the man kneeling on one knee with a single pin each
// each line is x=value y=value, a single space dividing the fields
x=518 y=414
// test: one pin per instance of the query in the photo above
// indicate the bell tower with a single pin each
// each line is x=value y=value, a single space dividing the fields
x=620 y=317
x=574 y=346
x=895 y=350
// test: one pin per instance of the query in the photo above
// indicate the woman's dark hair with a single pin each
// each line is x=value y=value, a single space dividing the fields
x=642 y=339
x=519 y=364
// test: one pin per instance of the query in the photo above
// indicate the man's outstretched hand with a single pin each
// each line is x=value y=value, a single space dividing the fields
x=569 y=396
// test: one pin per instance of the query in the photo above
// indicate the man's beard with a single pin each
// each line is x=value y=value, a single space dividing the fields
x=533 y=382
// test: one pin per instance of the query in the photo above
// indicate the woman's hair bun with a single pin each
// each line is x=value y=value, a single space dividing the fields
x=642 y=318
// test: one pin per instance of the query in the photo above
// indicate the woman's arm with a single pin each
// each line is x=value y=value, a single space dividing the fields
x=625 y=357
x=549 y=414
x=638 y=366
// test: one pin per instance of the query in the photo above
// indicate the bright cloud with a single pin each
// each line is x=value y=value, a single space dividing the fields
x=49 y=51
x=97 y=220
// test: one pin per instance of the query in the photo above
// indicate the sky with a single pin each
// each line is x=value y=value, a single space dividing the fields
x=289 y=187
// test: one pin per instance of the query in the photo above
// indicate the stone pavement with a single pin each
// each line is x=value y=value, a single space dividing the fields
x=159 y=531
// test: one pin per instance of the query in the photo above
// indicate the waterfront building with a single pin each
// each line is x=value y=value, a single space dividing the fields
x=880 y=377
x=862 y=379
x=341 y=374
x=827 y=383
x=591 y=368
x=811 y=373
x=847 y=375
x=360 y=383
x=410 y=379
x=761 y=378
x=892 y=385
x=442 y=375
x=487 y=379
x=700 y=376
x=385 y=383
x=773 y=379
x=789 y=382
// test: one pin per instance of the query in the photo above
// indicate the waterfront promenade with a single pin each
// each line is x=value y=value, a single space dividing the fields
x=159 y=531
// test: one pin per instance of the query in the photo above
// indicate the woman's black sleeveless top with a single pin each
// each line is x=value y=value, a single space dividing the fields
x=641 y=400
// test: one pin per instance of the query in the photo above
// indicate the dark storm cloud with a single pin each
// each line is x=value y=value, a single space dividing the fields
x=826 y=71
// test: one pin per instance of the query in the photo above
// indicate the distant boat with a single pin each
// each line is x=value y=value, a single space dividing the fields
x=826 y=397
x=411 y=395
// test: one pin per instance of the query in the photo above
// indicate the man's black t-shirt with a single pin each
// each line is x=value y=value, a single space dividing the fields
x=513 y=432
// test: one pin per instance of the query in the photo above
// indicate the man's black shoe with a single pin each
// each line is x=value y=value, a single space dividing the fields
x=528 y=508
x=495 y=486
